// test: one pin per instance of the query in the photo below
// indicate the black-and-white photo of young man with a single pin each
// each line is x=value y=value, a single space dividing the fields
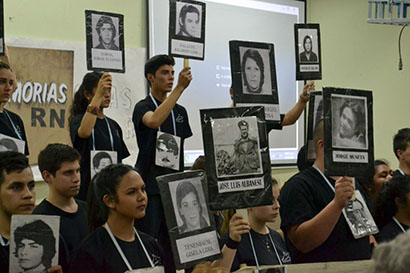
x=189 y=21
x=105 y=32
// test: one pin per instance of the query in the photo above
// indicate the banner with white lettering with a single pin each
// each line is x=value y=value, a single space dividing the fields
x=237 y=157
x=190 y=222
x=254 y=77
x=43 y=96
x=307 y=52
x=348 y=132
x=187 y=29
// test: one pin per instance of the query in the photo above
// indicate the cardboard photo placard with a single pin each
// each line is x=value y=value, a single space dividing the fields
x=105 y=41
x=315 y=114
x=187 y=29
x=190 y=222
x=34 y=241
x=348 y=132
x=254 y=80
x=237 y=157
x=308 y=52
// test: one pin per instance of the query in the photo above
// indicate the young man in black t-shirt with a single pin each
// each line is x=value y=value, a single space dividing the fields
x=159 y=113
x=60 y=167
x=311 y=213
x=17 y=196
x=401 y=147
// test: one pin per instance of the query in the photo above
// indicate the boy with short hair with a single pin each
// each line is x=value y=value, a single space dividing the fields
x=401 y=147
x=59 y=165
x=157 y=113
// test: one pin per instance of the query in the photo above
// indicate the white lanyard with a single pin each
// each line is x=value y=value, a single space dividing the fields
x=12 y=125
x=2 y=242
x=109 y=132
x=120 y=250
x=398 y=223
x=401 y=171
x=172 y=115
x=324 y=177
x=254 y=251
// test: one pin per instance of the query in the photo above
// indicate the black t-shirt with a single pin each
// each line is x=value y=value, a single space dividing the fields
x=73 y=226
x=302 y=198
x=4 y=257
x=102 y=142
x=397 y=173
x=264 y=249
x=146 y=140
x=6 y=128
x=98 y=254
x=390 y=231
x=275 y=126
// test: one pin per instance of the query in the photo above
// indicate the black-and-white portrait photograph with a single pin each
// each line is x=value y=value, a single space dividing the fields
x=349 y=122
x=314 y=116
x=189 y=204
x=188 y=20
x=187 y=29
x=101 y=159
x=255 y=64
x=359 y=218
x=34 y=243
x=8 y=143
x=167 y=151
x=105 y=41
x=105 y=32
x=236 y=143
x=308 y=46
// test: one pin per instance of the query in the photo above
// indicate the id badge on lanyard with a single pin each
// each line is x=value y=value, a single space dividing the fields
x=102 y=158
x=167 y=146
x=356 y=213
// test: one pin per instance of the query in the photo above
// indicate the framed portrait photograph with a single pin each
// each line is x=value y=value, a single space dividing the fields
x=237 y=157
x=254 y=77
x=187 y=29
x=34 y=241
x=315 y=114
x=190 y=222
x=348 y=131
x=307 y=52
x=105 y=41
x=101 y=159
x=2 y=45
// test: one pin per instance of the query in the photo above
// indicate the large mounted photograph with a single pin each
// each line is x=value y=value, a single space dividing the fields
x=348 y=131
x=237 y=157
x=105 y=41
x=190 y=222
x=254 y=77
x=308 y=52
x=187 y=29
x=34 y=241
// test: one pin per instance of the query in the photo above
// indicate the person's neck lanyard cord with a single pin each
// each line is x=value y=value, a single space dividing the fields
x=398 y=223
x=401 y=171
x=2 y=242
x=109 y=132
x=324 y=177
x=172 y=115
x=12 y=125
x=117 y=246
x=254 y=251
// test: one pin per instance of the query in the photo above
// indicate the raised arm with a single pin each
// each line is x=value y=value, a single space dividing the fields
x=90 y=117
x=237 y=227
x=293 y=114
x=154 y=119
x=314 y=232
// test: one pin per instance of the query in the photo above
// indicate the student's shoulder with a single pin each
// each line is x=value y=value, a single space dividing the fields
x=146 y=238
x=304 y=177
x=44 y=207
x=82 y=205
x=14 y=116
x=95 y=240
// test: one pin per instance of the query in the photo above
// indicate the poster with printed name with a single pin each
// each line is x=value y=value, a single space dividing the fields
x=187 y=29
x=105 y=41
x=348 y=132
x=254 y=77
x=237 y=157
x=190 y=222
x=308 y=52
x=43 y=96
x=315 y=114
x=34 y=241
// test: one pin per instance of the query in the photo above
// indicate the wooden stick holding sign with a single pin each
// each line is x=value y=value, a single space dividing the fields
x=186 y=62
